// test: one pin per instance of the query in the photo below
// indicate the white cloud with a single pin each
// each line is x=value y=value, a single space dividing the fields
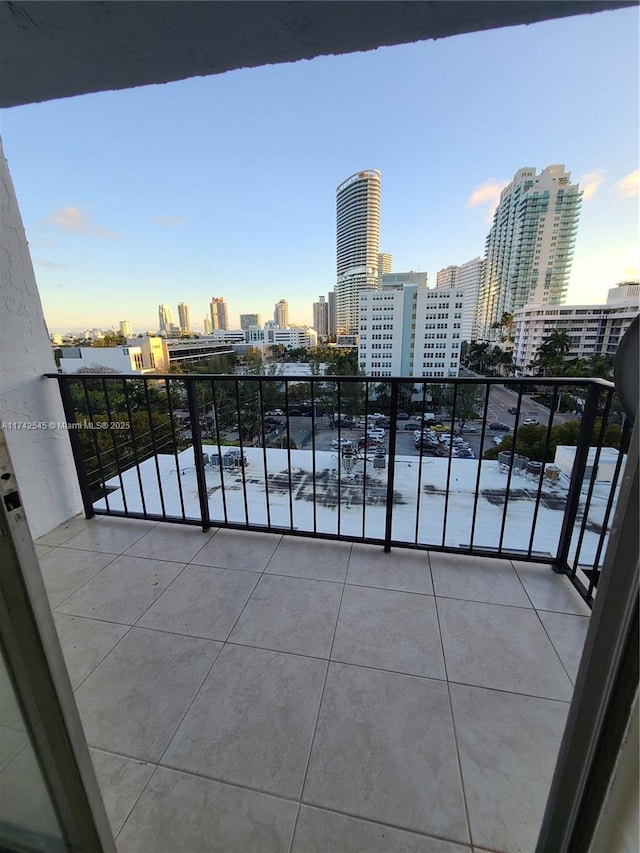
x=590 y=182
x=71 y=220
x=629 y=186
x=487 y=193
x=168 y=220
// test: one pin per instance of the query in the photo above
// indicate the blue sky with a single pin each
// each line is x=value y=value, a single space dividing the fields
x=225 y=186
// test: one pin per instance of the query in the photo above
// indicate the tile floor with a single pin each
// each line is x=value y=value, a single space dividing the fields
x=246 y=692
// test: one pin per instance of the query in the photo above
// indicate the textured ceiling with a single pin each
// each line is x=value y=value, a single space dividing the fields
x=58 y=49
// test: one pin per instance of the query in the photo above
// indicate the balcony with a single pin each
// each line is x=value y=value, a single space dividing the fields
x=259 y=688
x=359 y=649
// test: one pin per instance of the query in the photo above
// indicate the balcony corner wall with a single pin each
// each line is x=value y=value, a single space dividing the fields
x=41 y=456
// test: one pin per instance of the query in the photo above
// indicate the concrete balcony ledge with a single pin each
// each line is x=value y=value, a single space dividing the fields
x=248 y=691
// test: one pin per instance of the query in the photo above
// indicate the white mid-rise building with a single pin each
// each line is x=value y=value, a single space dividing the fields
x=466 y=277
x=292 y=337
x=593 y=329
x=103 y=359
x=409 y=330
x=529 y=248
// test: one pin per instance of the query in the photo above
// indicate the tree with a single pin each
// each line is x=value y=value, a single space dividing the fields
x=111 y=339
x=550 y=357
x=505 y=324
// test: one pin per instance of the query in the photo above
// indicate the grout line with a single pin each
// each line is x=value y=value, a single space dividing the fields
x=315 y=723
x=454 y=729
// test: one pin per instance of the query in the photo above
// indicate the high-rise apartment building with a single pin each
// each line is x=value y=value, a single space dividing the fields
x=384 y=263
x=247 y=320
x=468 y=278
x=331 y=313
x=409 y=330
x=165 y=323
x=207 y=325
x=219 y=315
x=126 y=329
x=183 y=318
x=448 y=277
x=529 y=249
x=281 y=314
x=358 y=243
x=321 y=317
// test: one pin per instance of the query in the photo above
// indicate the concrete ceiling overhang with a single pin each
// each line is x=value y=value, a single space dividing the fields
x=58 y=49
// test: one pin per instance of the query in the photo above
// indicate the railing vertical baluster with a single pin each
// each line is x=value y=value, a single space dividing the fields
x=388 y=524
x=288 y=423
x=483 y=433
x=624 y=439
x=174 y=444
x=366 y=449
x=196 y=438
x=90 y=415
x=114 y=444
x=217 y=415
x=241 y=445
x=134 y=443
x=313 y=452
x=450 y=457
x=264 y=454
x=76 y=448
x=512 y=457
x=592 y=481
x=561 y=562
x=420 y=449
x=339 y=402
x=154 y=445
x=545 y=451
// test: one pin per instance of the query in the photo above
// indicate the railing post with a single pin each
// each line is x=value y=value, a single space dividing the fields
x=577 y=476
x=197 y=452
x=393 y=418
x=76 y=447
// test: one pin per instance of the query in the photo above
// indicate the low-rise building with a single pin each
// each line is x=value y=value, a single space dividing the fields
x=593 y=329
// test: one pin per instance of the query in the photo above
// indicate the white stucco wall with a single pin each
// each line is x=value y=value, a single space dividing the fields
x=42 y=458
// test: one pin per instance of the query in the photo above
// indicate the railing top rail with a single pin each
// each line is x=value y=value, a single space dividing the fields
x=416 y=380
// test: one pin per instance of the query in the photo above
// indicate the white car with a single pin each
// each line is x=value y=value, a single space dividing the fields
x=530 y=422
x=375 y=433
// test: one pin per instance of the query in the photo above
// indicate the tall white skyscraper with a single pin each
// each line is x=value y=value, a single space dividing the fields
x=126 y=329
x=529 y=249
x=281 y=314
x=183 y=317
x=219 y=315
x=207 y=325
x=358 y=244
x=164 y=318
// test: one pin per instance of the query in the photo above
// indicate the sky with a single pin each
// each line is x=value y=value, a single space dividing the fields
x=225 y=185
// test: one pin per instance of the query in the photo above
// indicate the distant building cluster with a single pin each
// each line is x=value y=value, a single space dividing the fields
x=399 y=325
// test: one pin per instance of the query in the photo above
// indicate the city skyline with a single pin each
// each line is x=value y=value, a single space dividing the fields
x=95 y=209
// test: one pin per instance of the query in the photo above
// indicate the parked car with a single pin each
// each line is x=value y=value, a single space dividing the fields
x=499 y=427
x=372 y=432
x=370 y=443
x=469 y=428
x=530 y=422
x=411 y=425
x=440 y=428
x=345 y=443
x=402 y=416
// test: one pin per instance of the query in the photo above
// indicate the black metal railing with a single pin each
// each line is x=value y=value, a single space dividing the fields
x=300 y=455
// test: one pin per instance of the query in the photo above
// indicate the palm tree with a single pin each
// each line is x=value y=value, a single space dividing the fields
x=505 y=324
x=550 y=357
